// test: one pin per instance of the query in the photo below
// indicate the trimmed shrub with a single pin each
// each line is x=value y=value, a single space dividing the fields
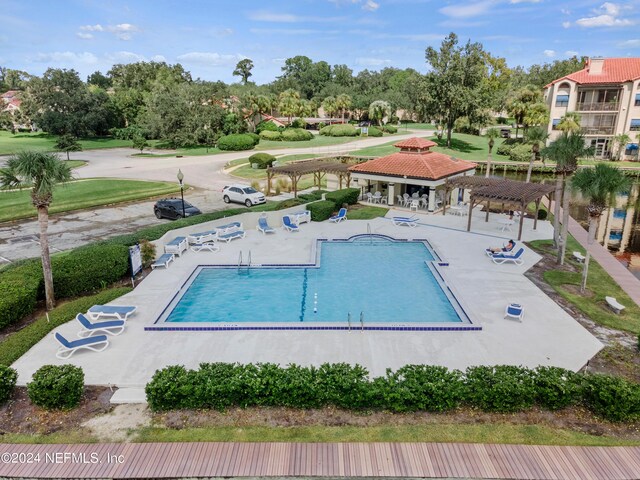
x=288 y=203
x=173 y=387
x=340 y=131
x=19 y=288
x=296 y=135
x=255 y=136
x=506 y=146
x=343 y=385
x=520 y=153
x=346 y=195
x=56 y=386
x=542 y=214
x=501 y=388
x=312 y=196
x=321 y=210
x=374 y=132
x=8 y=379
x=275 y=136
x=147 y=252
x=556 y=388
x=613 y=398
x=263 y=160
x=236 y=142
x=390 y=128
x=298 y=123
x=266 y=126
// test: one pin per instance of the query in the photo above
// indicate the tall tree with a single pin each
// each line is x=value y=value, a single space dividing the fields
x=570 y=122
x=329 y=105
x=491 y=134
x=68 y=143
x=536 y=137
x=343 y=102
x=565 y=152
x=527 y=107
x=41 y=172
x=289 y=103
x=243 y=69
x=621 y=140
x=379 y=110
x=455 y=81
x=600 y=186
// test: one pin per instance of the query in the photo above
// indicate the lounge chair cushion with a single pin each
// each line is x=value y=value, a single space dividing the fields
x=120 y=312
x=81 y=342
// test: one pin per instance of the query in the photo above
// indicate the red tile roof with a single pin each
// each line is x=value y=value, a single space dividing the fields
x=614 y=70
x=415 y=143
x=9 y=94
x=423 y=165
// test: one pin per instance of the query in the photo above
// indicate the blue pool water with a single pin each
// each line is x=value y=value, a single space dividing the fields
x=387 y=281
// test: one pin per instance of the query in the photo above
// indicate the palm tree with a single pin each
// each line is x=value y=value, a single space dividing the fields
x=42 y=172
x=289 y=103
x=343 y=102
x=491 y=135
x=621 y=141
x=378 y=110
x=329 y=105
x=535 y=137
x=537 y=114
x=570 y=122
x=600 y=186
x=564 y=151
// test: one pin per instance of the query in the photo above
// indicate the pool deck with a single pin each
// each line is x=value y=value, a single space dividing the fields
x=547 y=336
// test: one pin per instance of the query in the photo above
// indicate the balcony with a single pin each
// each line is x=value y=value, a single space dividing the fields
x=598 y=107
x=598 y=130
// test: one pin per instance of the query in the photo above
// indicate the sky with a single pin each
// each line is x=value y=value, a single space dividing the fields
x=209 y=37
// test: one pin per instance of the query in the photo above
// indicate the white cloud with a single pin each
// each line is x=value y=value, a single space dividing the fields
x=159 y=58
x=84 y=35
x=372 y=62
x=571 y=53
x=264 y=16
x=92 y=28
x=634 y=43
x=525 y=1
x=292 y=31
x=467 y=10
x=566 y=24
x=209 y=58
x=122 y=31
x=549 y=53
x=565 y=11
x=611 y=9
x=65 y=58
x=369 y=5
x=607 y=15
x=125 y=57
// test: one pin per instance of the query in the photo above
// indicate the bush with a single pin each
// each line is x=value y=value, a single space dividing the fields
x=542 y=214
x=520 y=153
x=236 y=142
x=501 y=388
x=147 y=252
x=343 y=385
x=321 y=210
x=172 y=387
x=556 y=388
x=255 y=137
x=374 y=132
x=266 y=126
x=128 y=133
x=312 y=196
x=296 y=135
x=321 y=125
x=613 y=398
x=340 y=131
x=346 y=195
x=298 y=123
x=506 y=146
x=8 y=379
x=263 y=160
x=271 y=135
x=19 y=288
x=390 y=128
x=56 y=386
x=288 y=203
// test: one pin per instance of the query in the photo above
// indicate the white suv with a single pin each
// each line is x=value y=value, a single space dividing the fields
x=242 y=194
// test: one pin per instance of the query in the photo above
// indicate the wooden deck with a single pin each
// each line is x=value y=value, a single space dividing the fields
x=430 y=460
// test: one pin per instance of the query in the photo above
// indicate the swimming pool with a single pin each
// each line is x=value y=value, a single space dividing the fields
x=380 y=281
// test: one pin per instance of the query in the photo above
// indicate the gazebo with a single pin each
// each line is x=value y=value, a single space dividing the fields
x=415 y=168
x=319 y=168
x=502 y=191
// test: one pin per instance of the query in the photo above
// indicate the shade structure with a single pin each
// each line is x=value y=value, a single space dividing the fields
x=318 y=167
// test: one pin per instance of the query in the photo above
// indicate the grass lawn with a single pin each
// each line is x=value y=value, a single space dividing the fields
x=599 y=285
x=366 y=213
x=43 y=141
x=416 y=126
x=82 y=194
x=75 y=163
x=491 y=433
x=316 y=141
x=247 y=172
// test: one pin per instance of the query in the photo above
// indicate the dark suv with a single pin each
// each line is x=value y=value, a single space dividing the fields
x=172 y=208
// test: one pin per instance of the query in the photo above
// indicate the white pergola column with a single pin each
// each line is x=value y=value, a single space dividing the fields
x=391 y=193
x=453 y=200
x=432 y=199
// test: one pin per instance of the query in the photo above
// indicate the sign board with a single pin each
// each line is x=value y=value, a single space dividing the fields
x=364 y=131
x=136 y=260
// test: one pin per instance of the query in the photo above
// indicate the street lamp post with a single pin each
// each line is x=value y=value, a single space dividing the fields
x=180 y=178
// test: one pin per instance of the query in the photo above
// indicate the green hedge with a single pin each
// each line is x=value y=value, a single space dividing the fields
x=266 y=126
x=501 y=388
x=19 y=287
x=237 y=142
x=346 y=195
x=263 y=160
x=296 y=135
x=321 y=210
x=374 y=132
x=390 y=129
x=8 y=379
x=56 y=386
x=340 y=131
x=312 y=196
x=273 y=135
x=288 y=203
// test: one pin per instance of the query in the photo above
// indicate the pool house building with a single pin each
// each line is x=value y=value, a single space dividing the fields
x=413 y=172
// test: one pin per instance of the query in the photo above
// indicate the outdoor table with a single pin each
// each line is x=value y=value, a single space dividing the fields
x=506 y=223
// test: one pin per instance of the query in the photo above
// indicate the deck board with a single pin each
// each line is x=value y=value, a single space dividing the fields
x=428 y=460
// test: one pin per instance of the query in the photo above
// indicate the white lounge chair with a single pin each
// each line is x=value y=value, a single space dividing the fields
x=406 y=221
x=300 y=217
x=68 y=348
x=164 y=261
x=578 y=257
x=111 y=327
x=111 y=311
x=500 y=258
x=177 y=246
x=287 y=224
x=263 y=226
x=202 y=237
x=614 y=304
x=514 y=310
x=230 y=234
x=342 y=215
x=201 y=247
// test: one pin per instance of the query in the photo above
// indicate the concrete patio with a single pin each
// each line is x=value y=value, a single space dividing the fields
x=547 y=336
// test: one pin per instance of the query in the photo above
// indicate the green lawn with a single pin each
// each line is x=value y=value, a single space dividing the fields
x=245 y=171
x=416 y=126
x=316 y=141
x=599 y=285
x=367 y=213
x=76 y=163
x=83 y=194
x=10 y=143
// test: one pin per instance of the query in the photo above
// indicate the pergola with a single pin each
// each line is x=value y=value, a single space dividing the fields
x=319 y=168
x=503 y=191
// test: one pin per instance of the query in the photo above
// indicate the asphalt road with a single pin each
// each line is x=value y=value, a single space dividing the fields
x=204 y=174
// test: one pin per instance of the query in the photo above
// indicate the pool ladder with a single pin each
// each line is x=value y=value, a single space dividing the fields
x=361 y=321
x=240 y=264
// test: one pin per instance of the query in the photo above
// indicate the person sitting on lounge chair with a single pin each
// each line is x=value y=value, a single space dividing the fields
x=507 y=248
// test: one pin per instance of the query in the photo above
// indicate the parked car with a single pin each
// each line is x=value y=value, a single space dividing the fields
x=505 y=132
x=172 y=208
x=242 y=194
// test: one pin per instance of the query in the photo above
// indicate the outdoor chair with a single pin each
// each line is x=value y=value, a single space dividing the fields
x=406 y=221
x=113 y=311
x=176 y=246
x=342 y=215
x=68 y=348
x=614 y=304
x=287 y=224
x=303 y=216
x=415 y=203
x=514 y=310
x=263 y=226
x=111 y=327
x=579 y=257
x=202 y=237
x=201 y=247
x=164 y=261
x=500 y=258
x=229 y=234
x=506 y=247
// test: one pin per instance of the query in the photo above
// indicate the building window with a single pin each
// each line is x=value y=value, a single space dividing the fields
x=635 y=125
x=562 y=101
x=631 y=149
x=637 y=104
x=554 y=123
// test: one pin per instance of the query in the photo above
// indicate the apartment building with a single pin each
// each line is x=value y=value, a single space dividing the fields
x=606 y=94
